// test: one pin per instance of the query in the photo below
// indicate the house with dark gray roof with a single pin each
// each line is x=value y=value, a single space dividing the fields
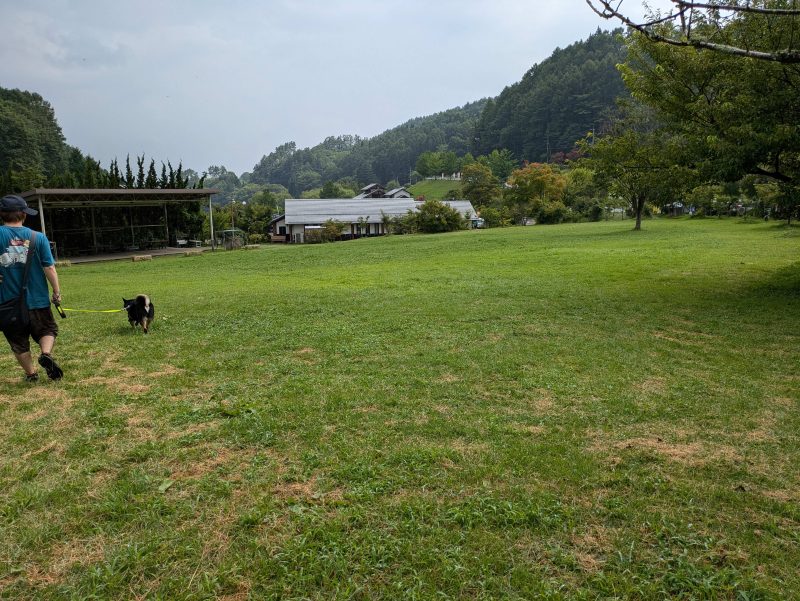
x=361 y=216
x=400 y=192
x=377 y=191
x=371 y=191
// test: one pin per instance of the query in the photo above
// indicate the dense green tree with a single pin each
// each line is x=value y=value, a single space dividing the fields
x=536 y=190
x=336 y=190
x=704 y=25
x=130 y=181
x=639 y=162
x=740 y=116
x=479 y=185
x=140 y=177
x=737 y=116
x=434 y=216
x=584 y=194
x=501 y=162
x=151 y=181
x=30 y=136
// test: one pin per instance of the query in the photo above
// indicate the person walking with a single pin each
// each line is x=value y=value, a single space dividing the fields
x=15 y=251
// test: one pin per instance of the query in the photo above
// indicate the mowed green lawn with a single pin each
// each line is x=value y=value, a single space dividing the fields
x=574 y=411
x=434 y=189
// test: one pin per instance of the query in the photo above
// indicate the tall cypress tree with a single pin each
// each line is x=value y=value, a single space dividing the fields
x=140 y=173
x=152 y=179
x=129 y=181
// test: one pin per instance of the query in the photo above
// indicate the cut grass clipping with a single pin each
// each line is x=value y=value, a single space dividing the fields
x=574 y=411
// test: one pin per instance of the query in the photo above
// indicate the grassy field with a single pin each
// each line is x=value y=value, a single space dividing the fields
x=433 y=189
x=574 y=412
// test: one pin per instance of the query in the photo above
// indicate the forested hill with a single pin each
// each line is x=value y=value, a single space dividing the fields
x=387 y=156
x=553 y=106
x=32 y=145
x=557 y=101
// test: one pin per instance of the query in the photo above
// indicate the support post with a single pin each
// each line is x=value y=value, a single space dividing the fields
x=166 y=225
x=94 y=231
x=211 y=222
x=41 y=217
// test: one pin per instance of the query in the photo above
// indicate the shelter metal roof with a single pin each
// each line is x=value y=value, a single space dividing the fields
x=114 y=197
x=350 y=210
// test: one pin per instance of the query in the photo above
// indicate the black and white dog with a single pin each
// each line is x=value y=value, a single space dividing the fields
x=140 y=311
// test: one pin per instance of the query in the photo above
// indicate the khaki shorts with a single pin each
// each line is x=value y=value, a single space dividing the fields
x=42 y=324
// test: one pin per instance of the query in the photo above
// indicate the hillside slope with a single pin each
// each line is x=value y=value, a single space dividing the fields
x=387 y=156
x=557 y=101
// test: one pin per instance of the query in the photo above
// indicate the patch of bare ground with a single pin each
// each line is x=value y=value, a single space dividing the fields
x=11 y=381
x=214 y=526
x=121 y=383
x=784 y=496
x=139 y=425
x=541 y=399
x=448 y=378
x=690 y=453
x=530 y=429
x=164 y=370
x=692 y=339
x=43 y=395
x=306 y=355
x=77 y=552
x=420 y=419
x=62 y=557
x=189 y=430
x=495 y=337
x=764 y=431
x=213 y=457
x=443 y=409
x=678 y=447
x=651 y=386
x=242 y=592
x=121 y=378
x=783 y=401
x=306 y=490
x=468 y=448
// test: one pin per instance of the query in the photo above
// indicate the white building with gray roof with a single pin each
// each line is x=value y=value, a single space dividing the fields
x=361 y=216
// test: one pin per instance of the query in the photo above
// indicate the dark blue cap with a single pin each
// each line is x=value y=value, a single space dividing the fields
x=12 y=203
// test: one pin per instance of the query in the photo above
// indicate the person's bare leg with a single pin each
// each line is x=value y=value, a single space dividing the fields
x=54 y=371
x=46 y=343
x=26 y=362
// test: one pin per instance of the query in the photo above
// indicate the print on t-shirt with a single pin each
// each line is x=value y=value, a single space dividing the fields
x=17 y=252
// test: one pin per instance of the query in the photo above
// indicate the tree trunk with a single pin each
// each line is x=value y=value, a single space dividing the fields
x=638 y=205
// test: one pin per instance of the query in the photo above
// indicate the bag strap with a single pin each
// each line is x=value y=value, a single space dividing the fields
x=23 y=295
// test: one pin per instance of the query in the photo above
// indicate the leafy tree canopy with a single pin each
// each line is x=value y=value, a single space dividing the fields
x=706 y=25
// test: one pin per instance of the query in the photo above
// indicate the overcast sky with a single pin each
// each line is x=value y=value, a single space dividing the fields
x=222 y=83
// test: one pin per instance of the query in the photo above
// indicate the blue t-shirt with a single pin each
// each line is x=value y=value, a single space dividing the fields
x=14 y=246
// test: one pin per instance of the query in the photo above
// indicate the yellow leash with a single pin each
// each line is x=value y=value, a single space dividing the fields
x=61 y=310
x=94 y=310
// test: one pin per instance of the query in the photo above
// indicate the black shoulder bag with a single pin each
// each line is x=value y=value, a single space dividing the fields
x=14 y=313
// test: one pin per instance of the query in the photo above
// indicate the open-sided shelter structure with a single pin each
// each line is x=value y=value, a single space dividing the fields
x=93 y=221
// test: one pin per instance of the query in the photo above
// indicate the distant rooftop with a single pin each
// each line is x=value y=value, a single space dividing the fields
x=350 y=210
